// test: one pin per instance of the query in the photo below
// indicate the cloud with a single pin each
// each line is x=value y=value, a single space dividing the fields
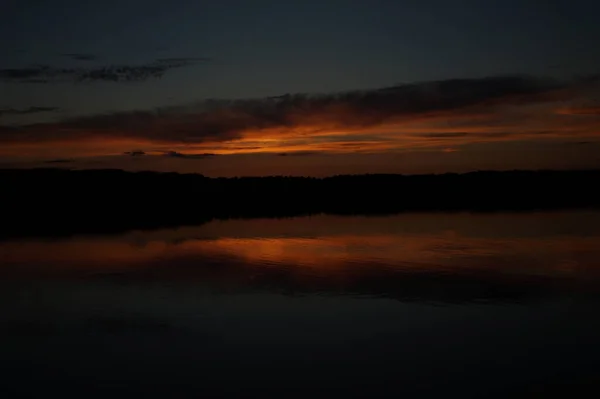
x=134 y=153
x=112 y=73
x=298 y=153
x=578 y=142
x=588 y=110
x=445 y=113
x=181 y=60
x=26 y=111
x=445 y=135
x=175 y=154
x=62 y=160
x=80 y=56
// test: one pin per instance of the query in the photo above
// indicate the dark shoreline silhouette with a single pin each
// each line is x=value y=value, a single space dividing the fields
x=54 y=202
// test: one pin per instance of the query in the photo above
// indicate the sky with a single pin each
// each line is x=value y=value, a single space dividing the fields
x=300 y=87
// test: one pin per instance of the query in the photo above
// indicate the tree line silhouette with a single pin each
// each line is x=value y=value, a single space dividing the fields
x=55 y=202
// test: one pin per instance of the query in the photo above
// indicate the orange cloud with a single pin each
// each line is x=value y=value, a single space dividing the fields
x=592 y=110
x=442 y=114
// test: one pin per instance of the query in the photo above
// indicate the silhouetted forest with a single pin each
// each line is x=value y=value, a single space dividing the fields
x=56 y=202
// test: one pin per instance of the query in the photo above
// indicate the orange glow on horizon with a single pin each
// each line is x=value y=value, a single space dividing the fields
x=337 y=132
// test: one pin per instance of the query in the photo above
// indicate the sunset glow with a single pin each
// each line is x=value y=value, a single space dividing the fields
x=413 y=118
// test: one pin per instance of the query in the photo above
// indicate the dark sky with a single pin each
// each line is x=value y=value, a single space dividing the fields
x=437 y=79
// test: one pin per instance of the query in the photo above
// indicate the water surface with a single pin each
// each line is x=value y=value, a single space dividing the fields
x=414 y=304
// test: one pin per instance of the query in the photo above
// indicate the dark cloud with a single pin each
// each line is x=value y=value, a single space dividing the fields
x=175 y=154
x=113 y=73
x=298 y=153
x=38 y=81
x=590 y=110
x=351 y=144
x=34 y=73
x=26 y=111
x=134 y=153
x=445 y=135
x=243 y=148
x=349 y=137
x=226 y=120
x=65 y=160
x=9 y=131
x=80 y=56
x=181 y=60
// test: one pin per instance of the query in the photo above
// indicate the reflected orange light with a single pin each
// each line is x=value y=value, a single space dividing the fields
x=548 y=255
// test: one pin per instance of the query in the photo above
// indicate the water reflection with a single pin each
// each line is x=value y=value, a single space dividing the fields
x=341 y=305
x=432 y=257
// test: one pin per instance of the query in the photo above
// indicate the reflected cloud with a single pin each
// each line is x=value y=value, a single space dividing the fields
x=441 y=265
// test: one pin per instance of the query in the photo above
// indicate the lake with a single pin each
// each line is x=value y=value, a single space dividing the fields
x=413 y=305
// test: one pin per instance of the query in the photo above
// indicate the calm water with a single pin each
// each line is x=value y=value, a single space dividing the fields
x=421 y=305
